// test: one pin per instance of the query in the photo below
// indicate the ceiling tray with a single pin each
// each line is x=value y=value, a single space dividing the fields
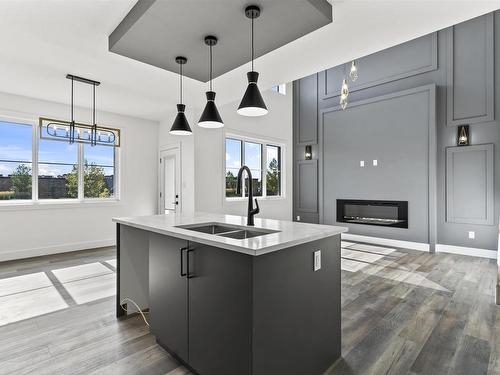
x=156 y=31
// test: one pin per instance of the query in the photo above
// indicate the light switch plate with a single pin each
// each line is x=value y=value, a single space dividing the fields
x=375 y=162
x=317 y=260
x=472 y=235
x=361 y=163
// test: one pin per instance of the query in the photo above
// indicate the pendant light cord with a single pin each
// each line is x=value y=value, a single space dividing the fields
x=93 y=108
x=72 y=125
x=210 y=67
x=252 y=44
x=181 y=82
x=72 y=119
x=93 y=133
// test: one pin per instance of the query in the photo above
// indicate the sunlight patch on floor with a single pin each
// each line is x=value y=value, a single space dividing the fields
x=69 y=274
x=92 y=288
x=370 y=260
x=111 y=262
x=24 y=283
x=27 y=296
x=372 y=248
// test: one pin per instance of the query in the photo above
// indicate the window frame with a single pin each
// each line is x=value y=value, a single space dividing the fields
x=42 y=203
x=264 y=142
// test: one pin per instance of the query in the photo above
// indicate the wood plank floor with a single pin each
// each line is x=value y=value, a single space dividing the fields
x=403 y=312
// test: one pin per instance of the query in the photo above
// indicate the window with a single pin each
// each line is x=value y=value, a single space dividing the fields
x=280 y=89
x=57 y=170
x=64 y=171
x=264 y=161
x=15 y=161
x=98 y=172
x=273 y=170
x=253 y=160
x=233 y=164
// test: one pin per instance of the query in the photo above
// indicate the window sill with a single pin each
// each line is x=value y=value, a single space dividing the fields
x=48 y=204
x=272 y=198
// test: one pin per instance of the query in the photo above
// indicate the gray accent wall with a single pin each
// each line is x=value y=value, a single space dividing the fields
x=405 y=127
x=403 y=111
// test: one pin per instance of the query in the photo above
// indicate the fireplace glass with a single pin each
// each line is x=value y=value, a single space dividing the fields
x=373 y=212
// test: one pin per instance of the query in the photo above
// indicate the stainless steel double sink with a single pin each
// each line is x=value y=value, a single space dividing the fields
x=225 y=230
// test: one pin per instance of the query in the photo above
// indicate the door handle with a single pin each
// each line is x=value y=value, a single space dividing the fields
x=182 y=262
x=189 y=274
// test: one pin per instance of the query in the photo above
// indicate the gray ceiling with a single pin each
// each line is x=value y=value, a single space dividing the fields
x=156 y=31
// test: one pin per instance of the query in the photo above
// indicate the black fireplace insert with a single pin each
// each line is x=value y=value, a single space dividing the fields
x=373 y=212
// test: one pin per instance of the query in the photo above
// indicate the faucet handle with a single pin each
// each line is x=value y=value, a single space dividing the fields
x=256 y=210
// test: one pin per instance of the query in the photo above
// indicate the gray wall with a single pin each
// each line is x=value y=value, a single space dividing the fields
x=391 y=119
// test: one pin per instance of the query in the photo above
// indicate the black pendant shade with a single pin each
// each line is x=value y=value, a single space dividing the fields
x=252 y=103
x=181 y=124
x=210 y=118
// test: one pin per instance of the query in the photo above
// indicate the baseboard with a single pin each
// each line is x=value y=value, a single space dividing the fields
x=387 y=242
x=49 y=250
x=470 y=251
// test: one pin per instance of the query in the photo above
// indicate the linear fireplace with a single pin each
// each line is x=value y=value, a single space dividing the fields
x=373 y=212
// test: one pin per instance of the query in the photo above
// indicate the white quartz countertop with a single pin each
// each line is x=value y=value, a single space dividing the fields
x=289 y=233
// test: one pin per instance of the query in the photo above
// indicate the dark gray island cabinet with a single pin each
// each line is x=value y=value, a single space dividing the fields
x=222 y=311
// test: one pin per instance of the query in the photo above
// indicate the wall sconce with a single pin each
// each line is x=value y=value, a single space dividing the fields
x=463 y=135
x=308 y=154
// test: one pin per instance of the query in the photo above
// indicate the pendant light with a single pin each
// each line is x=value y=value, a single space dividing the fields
x=252 y=103
x=180 y=125
x=210 y=118
x=354 y=71
x=344 y=93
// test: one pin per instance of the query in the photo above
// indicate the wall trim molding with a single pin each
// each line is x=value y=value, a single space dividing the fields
x=356 y=86
x=313 y=164
x=489 y=188
x=469 y=251
x=56 y=249
x=387 y=242
x=489 y=110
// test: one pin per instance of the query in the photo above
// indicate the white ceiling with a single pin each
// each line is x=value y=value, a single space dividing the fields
x=41 y=41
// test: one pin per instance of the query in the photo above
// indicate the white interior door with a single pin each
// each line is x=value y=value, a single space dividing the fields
x=170 y=181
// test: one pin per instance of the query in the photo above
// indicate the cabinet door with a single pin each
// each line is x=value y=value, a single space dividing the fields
x=168 y=293
x=220 y=311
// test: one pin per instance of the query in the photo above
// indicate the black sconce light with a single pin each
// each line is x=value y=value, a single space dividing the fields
x=308 y=154
x=463 y=135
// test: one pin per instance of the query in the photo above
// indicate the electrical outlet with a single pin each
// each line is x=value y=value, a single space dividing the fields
x=298 y=217
x=361 y=163
x=472 y=235
x=375 y=162
x=317 y=260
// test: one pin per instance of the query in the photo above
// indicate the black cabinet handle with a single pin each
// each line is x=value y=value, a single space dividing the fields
x=182 y=262
x=189 y=274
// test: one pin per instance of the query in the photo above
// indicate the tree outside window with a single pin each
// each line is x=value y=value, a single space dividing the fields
x=94 y=182
x=20 y=181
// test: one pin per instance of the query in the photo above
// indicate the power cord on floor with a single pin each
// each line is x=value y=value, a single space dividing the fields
x=123 y=301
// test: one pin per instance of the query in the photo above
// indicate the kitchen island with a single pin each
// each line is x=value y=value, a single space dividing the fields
x=226 y=298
